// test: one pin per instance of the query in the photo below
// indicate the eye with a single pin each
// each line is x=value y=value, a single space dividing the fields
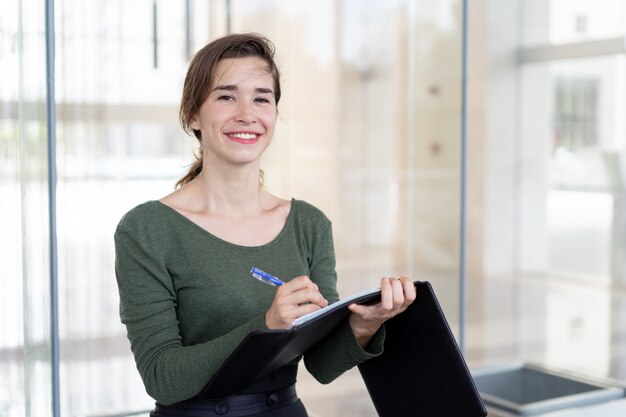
x=226 y=98
x=262 y=100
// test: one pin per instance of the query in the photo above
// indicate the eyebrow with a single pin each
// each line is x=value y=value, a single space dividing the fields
x=231 y=87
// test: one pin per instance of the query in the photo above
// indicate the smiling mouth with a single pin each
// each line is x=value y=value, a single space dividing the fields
x=247 y=138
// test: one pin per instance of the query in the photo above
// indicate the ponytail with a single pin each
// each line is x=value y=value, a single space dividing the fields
x=194 y=170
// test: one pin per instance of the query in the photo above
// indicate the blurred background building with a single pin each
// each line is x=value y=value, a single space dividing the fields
x=512 y=205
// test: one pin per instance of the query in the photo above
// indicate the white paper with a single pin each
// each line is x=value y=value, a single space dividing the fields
x=338 y=304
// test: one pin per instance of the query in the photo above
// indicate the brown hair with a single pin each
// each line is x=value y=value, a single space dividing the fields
x=201 y=72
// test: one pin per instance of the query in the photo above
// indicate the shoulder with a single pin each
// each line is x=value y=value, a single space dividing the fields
x=307 y=214
x=313 y=229
x=145 y=216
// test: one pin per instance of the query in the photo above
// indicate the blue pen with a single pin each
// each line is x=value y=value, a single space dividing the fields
x=266 y=278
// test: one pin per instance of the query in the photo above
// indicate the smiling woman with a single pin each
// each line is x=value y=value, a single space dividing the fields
x=183 y=262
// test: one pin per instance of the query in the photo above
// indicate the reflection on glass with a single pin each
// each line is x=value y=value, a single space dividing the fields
x=571 y=202
x=567 y=21
x=583 y=20
x=573 y=166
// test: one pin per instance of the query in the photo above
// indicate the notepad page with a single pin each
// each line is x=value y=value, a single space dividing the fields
x=344 y=301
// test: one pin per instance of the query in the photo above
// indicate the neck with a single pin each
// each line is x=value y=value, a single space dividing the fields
x=230 y=192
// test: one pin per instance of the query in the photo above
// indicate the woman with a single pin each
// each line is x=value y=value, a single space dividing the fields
x=183 y=262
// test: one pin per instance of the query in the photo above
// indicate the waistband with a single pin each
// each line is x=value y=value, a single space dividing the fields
x=233 y=406
x=277 y=379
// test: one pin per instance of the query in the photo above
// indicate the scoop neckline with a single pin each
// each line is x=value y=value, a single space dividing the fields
x=196 y=226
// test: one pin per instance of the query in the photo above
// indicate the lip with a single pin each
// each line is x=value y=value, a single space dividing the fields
x=231 y=136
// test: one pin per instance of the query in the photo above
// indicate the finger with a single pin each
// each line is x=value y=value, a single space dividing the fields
x=386 y=294
x=359 y=310
x=286 y=314
x=296 y=284
x=397 y=293
x=299 y=282
x=368 y=313
x=304 y=309
x=409 y=291
x=308 y=295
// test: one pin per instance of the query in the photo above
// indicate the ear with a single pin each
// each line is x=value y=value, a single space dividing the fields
x=194 y=123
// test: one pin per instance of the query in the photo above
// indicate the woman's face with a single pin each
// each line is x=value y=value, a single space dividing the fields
x=237 y=119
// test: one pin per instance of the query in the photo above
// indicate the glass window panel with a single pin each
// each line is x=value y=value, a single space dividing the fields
x=344 y=123
x=118 y=144
x=578 y=150
x=551 y=297
x=391 y=178
x=25 y=386
x=575 y=238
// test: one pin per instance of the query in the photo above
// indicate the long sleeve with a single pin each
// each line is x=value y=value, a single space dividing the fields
x=148 y=307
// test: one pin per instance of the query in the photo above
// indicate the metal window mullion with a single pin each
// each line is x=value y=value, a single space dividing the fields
x=463 y=179
x=155 y=35
x=188 y=29
x=229 y=18
x=52 y=180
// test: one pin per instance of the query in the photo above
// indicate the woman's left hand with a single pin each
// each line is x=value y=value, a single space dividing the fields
x=395 y=296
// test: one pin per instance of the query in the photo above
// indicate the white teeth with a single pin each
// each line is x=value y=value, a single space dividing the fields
x=244 y=135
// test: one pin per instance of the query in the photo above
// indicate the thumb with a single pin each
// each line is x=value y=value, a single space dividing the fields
x=357 y=309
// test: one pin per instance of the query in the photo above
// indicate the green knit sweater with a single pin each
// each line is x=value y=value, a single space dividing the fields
x=187 y=297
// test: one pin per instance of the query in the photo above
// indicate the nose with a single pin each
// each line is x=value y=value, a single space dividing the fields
x=245 y=113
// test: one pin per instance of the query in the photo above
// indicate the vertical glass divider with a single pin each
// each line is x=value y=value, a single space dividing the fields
x=188 y=30
x=52 y=180
x=411 y=136
x=155 y=35
x=229 y=18
x=463 y=214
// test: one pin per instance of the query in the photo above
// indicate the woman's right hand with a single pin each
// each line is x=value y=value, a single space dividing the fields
x=296 y=298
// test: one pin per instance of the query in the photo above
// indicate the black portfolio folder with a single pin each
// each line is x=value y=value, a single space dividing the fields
x=263 y=351
x=420 y=373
